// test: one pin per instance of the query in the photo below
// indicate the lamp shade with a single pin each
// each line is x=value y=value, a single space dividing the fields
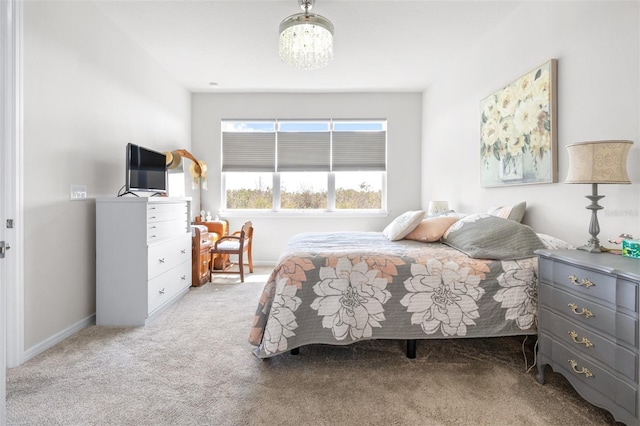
x=598 y=162
x=437 y=207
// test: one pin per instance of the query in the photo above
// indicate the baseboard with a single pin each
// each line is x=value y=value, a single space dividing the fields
x=57 y=338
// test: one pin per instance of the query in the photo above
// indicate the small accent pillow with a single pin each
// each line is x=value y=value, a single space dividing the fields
x=491 y=237
x=515 y=212
x=402 y=225
x=431 y=229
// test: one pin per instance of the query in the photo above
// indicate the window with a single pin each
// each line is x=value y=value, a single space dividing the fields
x=304 y=165
x=358 y=190
x=249 y=190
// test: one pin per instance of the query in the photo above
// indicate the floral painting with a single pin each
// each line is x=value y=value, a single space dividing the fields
x=518 y=131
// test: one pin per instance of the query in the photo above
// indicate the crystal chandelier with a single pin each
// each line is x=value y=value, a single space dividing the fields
x=306 y=39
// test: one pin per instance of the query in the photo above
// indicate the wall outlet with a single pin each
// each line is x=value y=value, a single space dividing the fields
x=78 y=192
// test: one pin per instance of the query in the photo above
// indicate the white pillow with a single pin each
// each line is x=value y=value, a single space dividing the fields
x=403 y=225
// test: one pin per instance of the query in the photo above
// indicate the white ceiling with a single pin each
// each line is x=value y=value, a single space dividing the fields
x=380 y=46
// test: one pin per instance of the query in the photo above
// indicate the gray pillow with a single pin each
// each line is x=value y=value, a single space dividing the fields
x=514 y=212
x=491 y=237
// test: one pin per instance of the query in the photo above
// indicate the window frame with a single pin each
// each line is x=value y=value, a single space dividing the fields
x=330 y=174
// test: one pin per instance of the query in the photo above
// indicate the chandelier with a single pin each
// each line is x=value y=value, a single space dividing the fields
x=306 y=39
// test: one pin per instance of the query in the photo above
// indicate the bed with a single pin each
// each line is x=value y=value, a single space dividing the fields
x=478 y=280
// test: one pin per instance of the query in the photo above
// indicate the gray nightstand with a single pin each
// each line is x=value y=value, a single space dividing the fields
x=588 y=326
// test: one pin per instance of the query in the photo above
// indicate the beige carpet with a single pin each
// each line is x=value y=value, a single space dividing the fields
x=192 y=365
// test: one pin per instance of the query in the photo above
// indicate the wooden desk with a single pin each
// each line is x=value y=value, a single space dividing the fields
x=201 y=255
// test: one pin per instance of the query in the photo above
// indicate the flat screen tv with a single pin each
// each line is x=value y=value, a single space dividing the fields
x=146 y=170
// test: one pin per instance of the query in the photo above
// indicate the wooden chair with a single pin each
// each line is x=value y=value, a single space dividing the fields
x=235 y=244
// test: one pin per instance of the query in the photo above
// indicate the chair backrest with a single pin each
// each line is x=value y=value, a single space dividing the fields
x=243 y=240
x=247 y=233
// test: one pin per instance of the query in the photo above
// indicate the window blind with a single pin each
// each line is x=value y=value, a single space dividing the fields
x=304 y=151
x=288 y=151
x=248 y=151
x=359 y=151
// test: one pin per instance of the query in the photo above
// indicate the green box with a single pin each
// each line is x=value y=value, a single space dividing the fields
x=631 y=248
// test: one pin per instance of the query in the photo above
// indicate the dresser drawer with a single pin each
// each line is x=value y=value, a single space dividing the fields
x=157 y=212
x=589 y=314
x=163 y=287
x=158 y=231
x=590 y=284
x=584 y=341
x=168 y=254
x=601 y=381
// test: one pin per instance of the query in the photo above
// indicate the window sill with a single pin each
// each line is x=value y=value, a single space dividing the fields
x=310 y=214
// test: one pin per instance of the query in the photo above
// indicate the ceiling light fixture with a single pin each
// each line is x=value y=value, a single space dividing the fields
x=306 y=39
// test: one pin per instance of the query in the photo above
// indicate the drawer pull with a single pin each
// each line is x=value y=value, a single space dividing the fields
x=584 y=371
x=585 y=312
x=584 y=340
x=161 y=260
x=183 y=251
x=184 y=277
x=161 y=291
x=585 y=282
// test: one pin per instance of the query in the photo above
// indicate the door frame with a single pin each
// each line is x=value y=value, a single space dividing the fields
x=11 y=190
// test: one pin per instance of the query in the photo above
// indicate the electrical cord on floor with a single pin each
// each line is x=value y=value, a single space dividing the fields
x=535 y=356
x=535 y=352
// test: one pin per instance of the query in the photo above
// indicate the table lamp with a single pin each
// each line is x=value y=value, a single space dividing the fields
x=437 y=207
x=597 y=162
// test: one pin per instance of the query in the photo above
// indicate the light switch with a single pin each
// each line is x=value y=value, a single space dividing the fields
x=78 y=192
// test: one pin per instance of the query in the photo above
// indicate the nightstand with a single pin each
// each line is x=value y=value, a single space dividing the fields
x=588 y=326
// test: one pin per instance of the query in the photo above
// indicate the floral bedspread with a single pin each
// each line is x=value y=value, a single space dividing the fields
x=338 y=288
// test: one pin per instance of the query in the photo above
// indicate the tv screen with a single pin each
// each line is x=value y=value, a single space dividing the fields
x=146 y=170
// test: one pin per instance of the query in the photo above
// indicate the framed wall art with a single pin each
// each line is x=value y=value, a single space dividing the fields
x=518 y=131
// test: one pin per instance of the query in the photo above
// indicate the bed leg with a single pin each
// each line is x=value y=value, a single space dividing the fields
x=411 y=348
x=295 y=351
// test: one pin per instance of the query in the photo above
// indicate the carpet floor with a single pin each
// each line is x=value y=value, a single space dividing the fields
x=193 y=365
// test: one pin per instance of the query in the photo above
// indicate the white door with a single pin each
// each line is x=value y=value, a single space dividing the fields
x=3 y=294
x=5 y=12
x=3 y=202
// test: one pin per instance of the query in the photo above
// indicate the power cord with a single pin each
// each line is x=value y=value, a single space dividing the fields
x=535 y=355
x=535 y=352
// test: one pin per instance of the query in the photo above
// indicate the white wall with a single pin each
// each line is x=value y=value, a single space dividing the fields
x=597 y=45
x=402 y=110
x=88 y=90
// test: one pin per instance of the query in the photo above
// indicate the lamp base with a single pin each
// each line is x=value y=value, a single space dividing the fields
x=591 y=248
x=593 y=245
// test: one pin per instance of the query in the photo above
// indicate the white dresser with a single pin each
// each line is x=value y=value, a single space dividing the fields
x=588 y=327
x=143 y=257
